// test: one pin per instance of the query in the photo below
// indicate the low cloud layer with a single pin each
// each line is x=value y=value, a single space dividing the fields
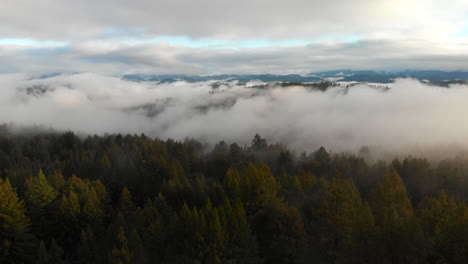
x=409 y=113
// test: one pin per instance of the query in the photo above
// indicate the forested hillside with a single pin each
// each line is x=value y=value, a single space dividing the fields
x=136 y=199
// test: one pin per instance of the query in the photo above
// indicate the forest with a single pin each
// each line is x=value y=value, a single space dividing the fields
x=67 y=198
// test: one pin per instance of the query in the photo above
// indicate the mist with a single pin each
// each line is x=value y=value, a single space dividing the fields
x=409 y=115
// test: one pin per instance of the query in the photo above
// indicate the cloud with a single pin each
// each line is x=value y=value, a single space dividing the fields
x=84 y=19
x=109 y=57
x=409 y=114
x=209 y=37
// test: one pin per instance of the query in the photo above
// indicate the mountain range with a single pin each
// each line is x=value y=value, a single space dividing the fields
x=432 y=76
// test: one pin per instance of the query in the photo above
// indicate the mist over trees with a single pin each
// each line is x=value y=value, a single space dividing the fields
x=342 y=116
x=135 y=199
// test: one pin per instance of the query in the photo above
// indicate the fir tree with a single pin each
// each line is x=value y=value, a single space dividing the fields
x=121 y=254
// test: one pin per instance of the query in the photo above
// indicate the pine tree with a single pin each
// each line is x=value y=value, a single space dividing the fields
x=400 y=236
x=55 y=253
x=88 y=249
x=70 y=206
x=121 y=254
x=41 y=198
x=345 y=222
x=150 y=223
x=93 y=209
x=16 y=245
x=390 y=197
x=241 y=245
x=280 y=233
x=446 y=224
x=39 y=193
x=323 y=159
x=259 y=143
x=12 y=211
x=437 y=211
x=126 y=205
x=451 y=242
x=42 y=254
x=56 y=179
x=137 y=248
x=254 y=186
x=214 y=235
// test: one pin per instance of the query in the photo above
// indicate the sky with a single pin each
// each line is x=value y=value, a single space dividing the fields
x=208 y=37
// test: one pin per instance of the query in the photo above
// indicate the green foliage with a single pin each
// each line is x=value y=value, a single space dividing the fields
x=93 y=209
x=16 y=245
x=126 y=204
x=55 y=253
x=280 y=233
x=446 y=223
x=120 y=252
x=70 y=206
x=12 y=211
x=39 y=193
x=56 y=179
x=241 y=245
x=260 y=203
x=255 y=186
x=42 y=254
x=399 y=233
x=346 y=223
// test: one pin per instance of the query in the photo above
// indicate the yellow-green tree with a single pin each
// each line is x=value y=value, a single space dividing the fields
x=120 y=252
x=280 y=233
x=39 y=192
x=399 y=233
x=12 y=211
x=255 y=186
x=14 y=224
x=93 y=209
x=446 y=224
x=346 y=223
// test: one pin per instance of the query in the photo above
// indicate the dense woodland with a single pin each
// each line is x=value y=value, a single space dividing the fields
x=136 y=199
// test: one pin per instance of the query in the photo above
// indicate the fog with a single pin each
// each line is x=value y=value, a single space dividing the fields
x=409 y=115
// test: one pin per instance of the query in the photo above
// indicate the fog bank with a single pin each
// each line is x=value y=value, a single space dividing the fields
x=408 y=115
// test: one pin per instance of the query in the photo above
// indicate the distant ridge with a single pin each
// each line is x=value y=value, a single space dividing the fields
x=434 y=76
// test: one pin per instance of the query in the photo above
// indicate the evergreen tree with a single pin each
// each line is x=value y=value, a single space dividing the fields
x=12 y=211
x=280 y=233
x=56 y=179
x=446 y=223
x=259 y=143
x=42 y=254
x=93 y=209
x=241 y=245
x=55 y=253
x=70 y=206
x=16 y=245
x=323 y=160
x=121 y=254
x=41 y=201
x=346 y=224
x=39 y=193
x=137 y=248
x=126 y=205
x=89 y=250
x=400 y=236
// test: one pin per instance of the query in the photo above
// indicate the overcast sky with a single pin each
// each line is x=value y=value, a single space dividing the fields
x=242 y=36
